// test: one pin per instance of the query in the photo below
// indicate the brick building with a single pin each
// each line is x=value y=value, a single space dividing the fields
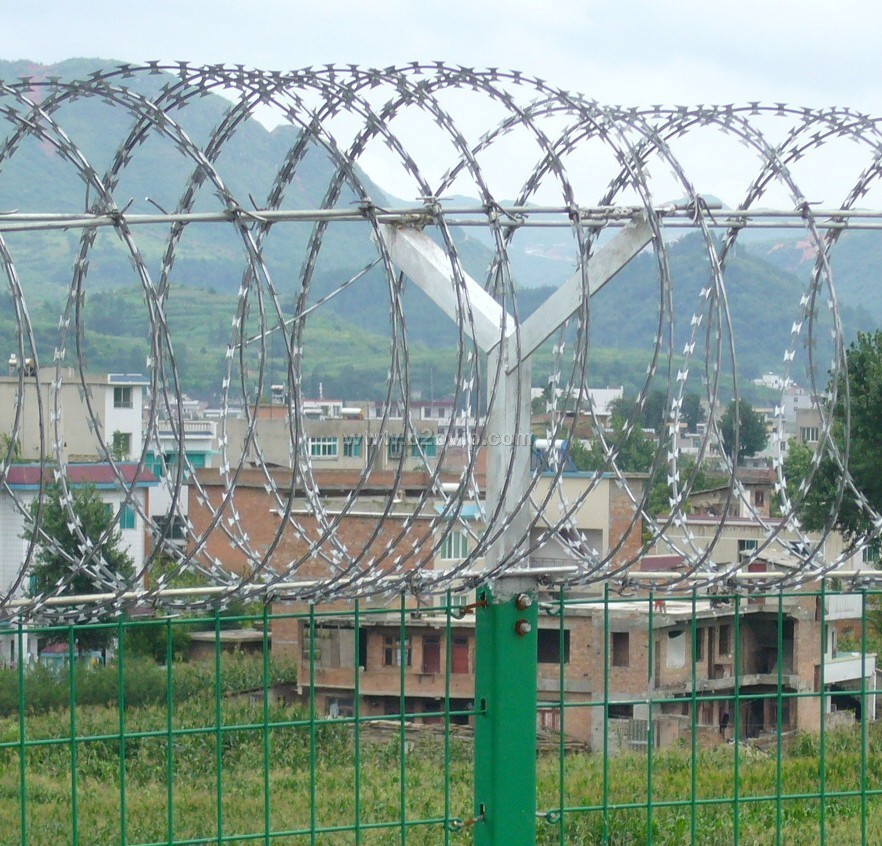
x=628 y=665
x=369 y=654
x=337 y=437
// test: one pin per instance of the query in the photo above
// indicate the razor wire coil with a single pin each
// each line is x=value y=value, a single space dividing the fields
x=339 y=113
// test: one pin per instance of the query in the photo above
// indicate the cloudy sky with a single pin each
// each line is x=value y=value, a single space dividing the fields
x=803 y=52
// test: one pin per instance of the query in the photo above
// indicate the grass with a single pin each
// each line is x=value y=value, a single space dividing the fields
x=265 y=773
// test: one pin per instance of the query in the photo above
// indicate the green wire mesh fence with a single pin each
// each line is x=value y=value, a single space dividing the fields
x=666 y=719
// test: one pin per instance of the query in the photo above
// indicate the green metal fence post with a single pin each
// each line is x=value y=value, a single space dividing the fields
x=505 y=726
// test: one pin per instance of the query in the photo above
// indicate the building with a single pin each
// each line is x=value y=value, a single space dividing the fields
x=758 y=487
x=113 y=402
x=669 y=661
x=22 y=485
x=674 y=663
x=343 y=439
x=173 y=452
x=373 y=647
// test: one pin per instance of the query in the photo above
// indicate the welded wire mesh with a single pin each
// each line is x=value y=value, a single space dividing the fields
x=357 y=724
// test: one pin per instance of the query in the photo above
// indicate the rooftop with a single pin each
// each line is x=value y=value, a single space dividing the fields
x=99 y=474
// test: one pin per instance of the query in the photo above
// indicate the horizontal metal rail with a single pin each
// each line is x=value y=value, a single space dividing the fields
x=269 y=593
x=507 y=217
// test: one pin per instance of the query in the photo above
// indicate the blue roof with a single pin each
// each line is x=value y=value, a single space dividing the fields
x=469 y=511
x=127 y=379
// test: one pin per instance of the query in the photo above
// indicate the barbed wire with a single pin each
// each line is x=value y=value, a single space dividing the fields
x=334 y=120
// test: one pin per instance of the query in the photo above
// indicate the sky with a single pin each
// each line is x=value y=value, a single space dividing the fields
x=625 y=52
x=634 y=53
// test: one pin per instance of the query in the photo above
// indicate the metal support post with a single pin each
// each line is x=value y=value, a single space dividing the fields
x=505 y=634
x=505 y=728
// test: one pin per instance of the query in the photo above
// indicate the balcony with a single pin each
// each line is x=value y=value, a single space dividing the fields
x=846 y=667
x=846 y=606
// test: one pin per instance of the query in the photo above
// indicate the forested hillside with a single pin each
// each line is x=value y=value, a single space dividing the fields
x=348 y=338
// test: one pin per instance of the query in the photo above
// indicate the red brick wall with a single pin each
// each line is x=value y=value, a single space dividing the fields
x=265 y=531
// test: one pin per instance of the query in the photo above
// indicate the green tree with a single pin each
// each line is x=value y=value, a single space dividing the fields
x=10 y=448
x=701 y=479
x=120 y=446
x=654 y=410
x=622 y=408
x=752 y=434
x=149 y=639
x=58 y=547
x=636 y=452
x=864 y=411
x=692 y=412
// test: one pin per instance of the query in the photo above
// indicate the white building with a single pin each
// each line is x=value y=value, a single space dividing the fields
x=21 y=485
x=112 y=401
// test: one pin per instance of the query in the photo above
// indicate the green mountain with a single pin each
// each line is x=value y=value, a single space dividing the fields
x=856 y=261
x=347 y=340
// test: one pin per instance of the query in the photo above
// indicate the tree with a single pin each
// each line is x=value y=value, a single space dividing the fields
x=654 y=410
x=57 y=545
x=700 y=478
x=622 y=408
x=149 y=639
x=9 y=448
x=636 y=452
x=752 y=434
x=119 y=446
x=863 y=413
x=692 y=412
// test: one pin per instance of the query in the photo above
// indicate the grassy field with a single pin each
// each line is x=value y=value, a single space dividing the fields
x=221 y=768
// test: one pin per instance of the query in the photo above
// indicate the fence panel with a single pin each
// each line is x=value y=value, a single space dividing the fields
x=690 y=718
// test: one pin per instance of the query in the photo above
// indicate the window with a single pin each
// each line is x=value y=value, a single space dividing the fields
x=323 y=447
x=455 y=546
x=431 y=654
x=396 y=446
x=675 y=656
x=127 y=517
x=549 y=719
x=393 y=653
x=196 y=459
x=122 y=397
x=459 y=655
x=424 y=445
x=759 y=499
x=619 y=711
x=548 y=646
x=870 y=554
x=725 y=640
x=745 y=547
x=352 y=446
x=621 y=648
x=809 y=434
